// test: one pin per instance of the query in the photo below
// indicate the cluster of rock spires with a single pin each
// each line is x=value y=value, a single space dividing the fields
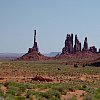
x=69 y=48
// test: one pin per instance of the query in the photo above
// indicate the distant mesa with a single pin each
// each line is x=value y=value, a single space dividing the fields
x=70 y=47
x=85 y=47
x=52 y=54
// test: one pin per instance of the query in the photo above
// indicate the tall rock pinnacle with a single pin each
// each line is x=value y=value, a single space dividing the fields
x=77 y=46
x=35 y=46
x=85 y=47
x=68 y=44
x=34 y=37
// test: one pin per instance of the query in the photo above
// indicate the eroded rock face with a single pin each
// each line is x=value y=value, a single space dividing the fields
x=68 y=44
x=77 y=46
x=93 y=49
x=71 y=48
x=99 y=51
x=85 y=47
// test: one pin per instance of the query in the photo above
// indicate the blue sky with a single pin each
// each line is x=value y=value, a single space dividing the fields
x=52 y=19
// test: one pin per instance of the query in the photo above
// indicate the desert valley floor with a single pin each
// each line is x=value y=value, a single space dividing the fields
x=48 y=80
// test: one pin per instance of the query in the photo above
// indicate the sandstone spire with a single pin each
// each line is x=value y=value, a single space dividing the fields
x=35 y=46
x=68 y=44
x=77 y=46
x=85 y=47
x=34 y=37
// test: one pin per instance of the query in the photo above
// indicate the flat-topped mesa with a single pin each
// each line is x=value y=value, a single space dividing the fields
x=77 y=46
x=85 y=47
x=35 y=46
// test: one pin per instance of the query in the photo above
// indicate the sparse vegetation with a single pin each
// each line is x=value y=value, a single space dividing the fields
x=83 y=65
x=19 y=84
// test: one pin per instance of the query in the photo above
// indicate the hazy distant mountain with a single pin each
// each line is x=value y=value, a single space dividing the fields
x=6 y=56
x=11 y=56
x=52 y=54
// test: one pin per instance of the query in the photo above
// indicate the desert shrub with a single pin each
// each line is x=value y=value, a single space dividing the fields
x=1 y=93
x=94 y=95
x=97 y=64
x=97 y=95
x=54 y=93
x=49 y=94
x=44 y=86
x=1 y=85
x=74 y=98
x=75 y=65
x=86 y=88
x=88 y=97
x=21 y=86
x=54 y=98
x=66 y=63
x=12 y=92
x=20 y=98
x=58 y=68
x=83 y=87
x=9 y=83
x=38 y=97
x=71 y=89
x=30 y=93
x=9 y=97
x=83 y=65
x=17 y=89
x=30 y=86
x=60 y=87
